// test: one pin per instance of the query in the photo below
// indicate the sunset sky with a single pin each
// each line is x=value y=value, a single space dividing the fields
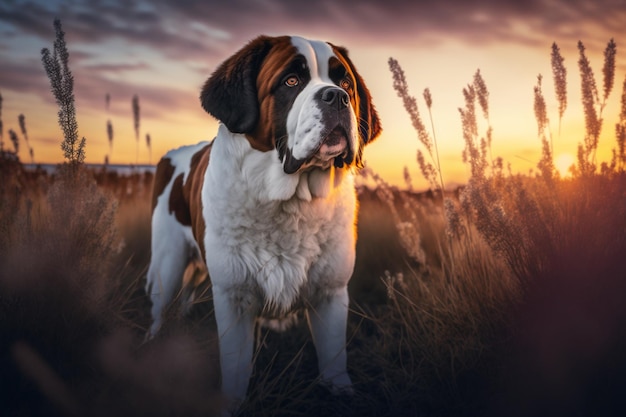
x=163 y=51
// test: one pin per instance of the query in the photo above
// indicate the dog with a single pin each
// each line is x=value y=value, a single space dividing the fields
x=269 y=205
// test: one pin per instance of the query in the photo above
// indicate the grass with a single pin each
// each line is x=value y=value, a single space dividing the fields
x=504 y=297
x=422 y=341
x=453 y=332
x=413 y=334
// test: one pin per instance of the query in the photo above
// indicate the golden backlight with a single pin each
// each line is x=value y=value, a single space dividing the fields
x=563 y=163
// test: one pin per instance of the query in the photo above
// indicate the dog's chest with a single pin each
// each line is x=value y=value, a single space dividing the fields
x=286 y=232
x=280 y=253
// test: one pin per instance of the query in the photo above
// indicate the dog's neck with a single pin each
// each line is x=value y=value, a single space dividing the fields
x=263 y=173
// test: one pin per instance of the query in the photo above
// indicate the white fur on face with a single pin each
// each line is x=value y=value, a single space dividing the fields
x=304 y=122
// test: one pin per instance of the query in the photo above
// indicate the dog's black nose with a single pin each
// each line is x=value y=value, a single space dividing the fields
x=336 y=96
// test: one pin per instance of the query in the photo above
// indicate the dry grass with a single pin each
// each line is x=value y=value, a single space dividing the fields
x=416 y=337
x=73 y=311
x=561 y=241
x=453 y=333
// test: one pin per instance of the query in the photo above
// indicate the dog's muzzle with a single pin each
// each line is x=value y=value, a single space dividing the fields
x=335 y=147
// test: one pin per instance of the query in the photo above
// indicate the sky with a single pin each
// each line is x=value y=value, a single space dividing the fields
x=163 y=51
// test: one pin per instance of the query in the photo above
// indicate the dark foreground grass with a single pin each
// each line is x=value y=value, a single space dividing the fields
x=423 y=341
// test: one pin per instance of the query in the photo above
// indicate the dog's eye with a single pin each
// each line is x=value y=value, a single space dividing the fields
x=345 y=84
x=292 y=81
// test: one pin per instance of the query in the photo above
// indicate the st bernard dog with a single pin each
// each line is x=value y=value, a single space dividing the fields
x=269 y=205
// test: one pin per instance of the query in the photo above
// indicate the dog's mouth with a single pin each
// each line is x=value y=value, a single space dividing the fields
x=334 y=149
x=334 y=145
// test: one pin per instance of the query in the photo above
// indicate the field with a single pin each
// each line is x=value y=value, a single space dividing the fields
x=448 y=329
x=503 y=297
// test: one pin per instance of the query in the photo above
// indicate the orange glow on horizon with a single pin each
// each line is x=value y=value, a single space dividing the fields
x=173 y=117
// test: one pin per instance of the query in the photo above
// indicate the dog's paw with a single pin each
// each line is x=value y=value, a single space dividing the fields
x=344 y=391
x=340 y=385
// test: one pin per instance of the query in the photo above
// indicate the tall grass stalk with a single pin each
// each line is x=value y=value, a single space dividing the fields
x=592 y=120
x=429 y=103
x=559 y=75
x=149 y=146
x=546 y=163
x=482 y=96
x=592 y=104
x=620 y=133
x=608 y=71
x=15 y=140
x=1 y=126
x=136 y=120
x=110 y=136
x=430 y=169
x=477 y=146
x=109 y=126
x=22 y=122
x=62 y=85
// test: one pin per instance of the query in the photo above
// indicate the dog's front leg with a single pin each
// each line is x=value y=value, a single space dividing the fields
x=328 y=322
x=235 y=326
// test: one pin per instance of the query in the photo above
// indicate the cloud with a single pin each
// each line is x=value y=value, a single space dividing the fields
x=116 y=68
x=27 y=76
x=111 y=39
x=189 y=28
x=156 y=102
x=195 y=32
x=93 y=81
x=406 y=21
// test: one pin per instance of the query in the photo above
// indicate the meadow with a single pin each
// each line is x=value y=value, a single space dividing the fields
x=502 y=297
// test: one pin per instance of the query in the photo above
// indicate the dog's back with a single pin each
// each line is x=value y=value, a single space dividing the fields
x=176 y=225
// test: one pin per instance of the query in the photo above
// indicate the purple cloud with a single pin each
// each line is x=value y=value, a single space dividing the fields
x=198 y=35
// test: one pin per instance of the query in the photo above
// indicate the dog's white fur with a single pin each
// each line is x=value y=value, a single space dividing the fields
x=272 y=241
x=272 y=238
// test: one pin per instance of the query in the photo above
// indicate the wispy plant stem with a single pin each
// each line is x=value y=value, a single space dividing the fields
x=546 y=164
x=431 y=173
x=620 y=132
x=22 y=122
x=149 y=145
x=559 y=73
x=592 y=104
x=429 y=102
x=135 y=105
x=62 y=85
x=1 y=126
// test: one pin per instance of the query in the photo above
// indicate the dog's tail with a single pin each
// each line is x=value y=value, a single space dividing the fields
x=195 y=274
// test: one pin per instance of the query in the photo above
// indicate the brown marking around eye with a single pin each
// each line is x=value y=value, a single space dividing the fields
x=339 y=69
x=281 y=55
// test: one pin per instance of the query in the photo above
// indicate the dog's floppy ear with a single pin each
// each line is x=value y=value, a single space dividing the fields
x=367 y=118
x=230 y=94
x=369 y=123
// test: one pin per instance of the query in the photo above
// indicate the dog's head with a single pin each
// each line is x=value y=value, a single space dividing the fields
x=302 y=98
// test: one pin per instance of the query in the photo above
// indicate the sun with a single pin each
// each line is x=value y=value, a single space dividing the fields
x=563 y=162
